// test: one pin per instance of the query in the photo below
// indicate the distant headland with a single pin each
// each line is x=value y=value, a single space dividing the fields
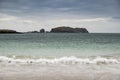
x=61 y=29
x=8 y=31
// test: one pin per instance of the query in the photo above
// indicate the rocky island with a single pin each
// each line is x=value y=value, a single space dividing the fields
x=8 y=31
x=64 y=29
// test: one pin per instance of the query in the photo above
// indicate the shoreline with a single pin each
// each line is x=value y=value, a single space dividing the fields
x=59 y=72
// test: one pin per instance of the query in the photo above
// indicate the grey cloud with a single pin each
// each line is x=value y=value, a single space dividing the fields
x=92 y=7
x=116 y=17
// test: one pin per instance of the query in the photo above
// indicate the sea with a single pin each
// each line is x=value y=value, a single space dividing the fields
x=60 y=56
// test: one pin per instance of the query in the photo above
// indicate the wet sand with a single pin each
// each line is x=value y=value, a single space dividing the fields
x=59 y=72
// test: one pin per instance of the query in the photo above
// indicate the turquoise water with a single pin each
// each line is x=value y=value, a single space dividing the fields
x=65 y=56
x=59 y=44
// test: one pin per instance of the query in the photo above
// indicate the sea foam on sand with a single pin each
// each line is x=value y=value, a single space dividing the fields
x=64 y=68
x=59 y=72
x=62 y=60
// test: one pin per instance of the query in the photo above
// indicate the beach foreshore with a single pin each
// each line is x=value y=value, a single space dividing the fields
x=59 y=72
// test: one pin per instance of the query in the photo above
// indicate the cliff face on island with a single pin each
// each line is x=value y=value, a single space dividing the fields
x=64 y=29
x=5 y=31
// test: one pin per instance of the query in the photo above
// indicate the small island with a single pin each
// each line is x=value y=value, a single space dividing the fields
x=64 y=29
x=8 y=31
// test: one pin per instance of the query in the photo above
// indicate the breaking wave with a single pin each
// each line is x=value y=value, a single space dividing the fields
x=62 y=60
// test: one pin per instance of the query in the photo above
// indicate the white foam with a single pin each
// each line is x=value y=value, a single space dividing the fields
x=62 y=60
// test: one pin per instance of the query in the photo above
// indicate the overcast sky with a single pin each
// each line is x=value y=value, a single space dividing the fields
x=26 y=15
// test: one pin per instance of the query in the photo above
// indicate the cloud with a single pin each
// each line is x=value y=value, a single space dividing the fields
x=118 y=17
x=9 y=18
x=49 y=13
x=27 y=21
x=85 y=20
x=75 y=7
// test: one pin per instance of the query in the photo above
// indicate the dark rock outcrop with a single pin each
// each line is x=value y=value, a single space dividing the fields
x=65 y=29
x=33 y=32
x=42 y=30
x=7 y=31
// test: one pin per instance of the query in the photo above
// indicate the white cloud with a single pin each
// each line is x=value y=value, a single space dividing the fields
x=86 y=20
x=21 y=20
x=9 y=18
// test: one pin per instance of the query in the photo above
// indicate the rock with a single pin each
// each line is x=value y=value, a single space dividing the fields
x=5 y=31
x=65 y=29
x=33 y=32
x=42 y=30
x=47 y=32
x=81 y=30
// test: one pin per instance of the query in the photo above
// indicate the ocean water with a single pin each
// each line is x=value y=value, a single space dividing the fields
x=59 y=45
x=67 y=56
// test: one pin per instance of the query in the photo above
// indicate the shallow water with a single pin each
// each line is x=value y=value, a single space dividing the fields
x=54 y=56
x=59 y=45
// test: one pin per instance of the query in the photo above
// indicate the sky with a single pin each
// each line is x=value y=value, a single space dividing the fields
x=100 y=16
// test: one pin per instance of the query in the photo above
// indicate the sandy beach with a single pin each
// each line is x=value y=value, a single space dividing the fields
x=59 y=72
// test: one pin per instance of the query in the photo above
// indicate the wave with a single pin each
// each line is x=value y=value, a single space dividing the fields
x=62 y=60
